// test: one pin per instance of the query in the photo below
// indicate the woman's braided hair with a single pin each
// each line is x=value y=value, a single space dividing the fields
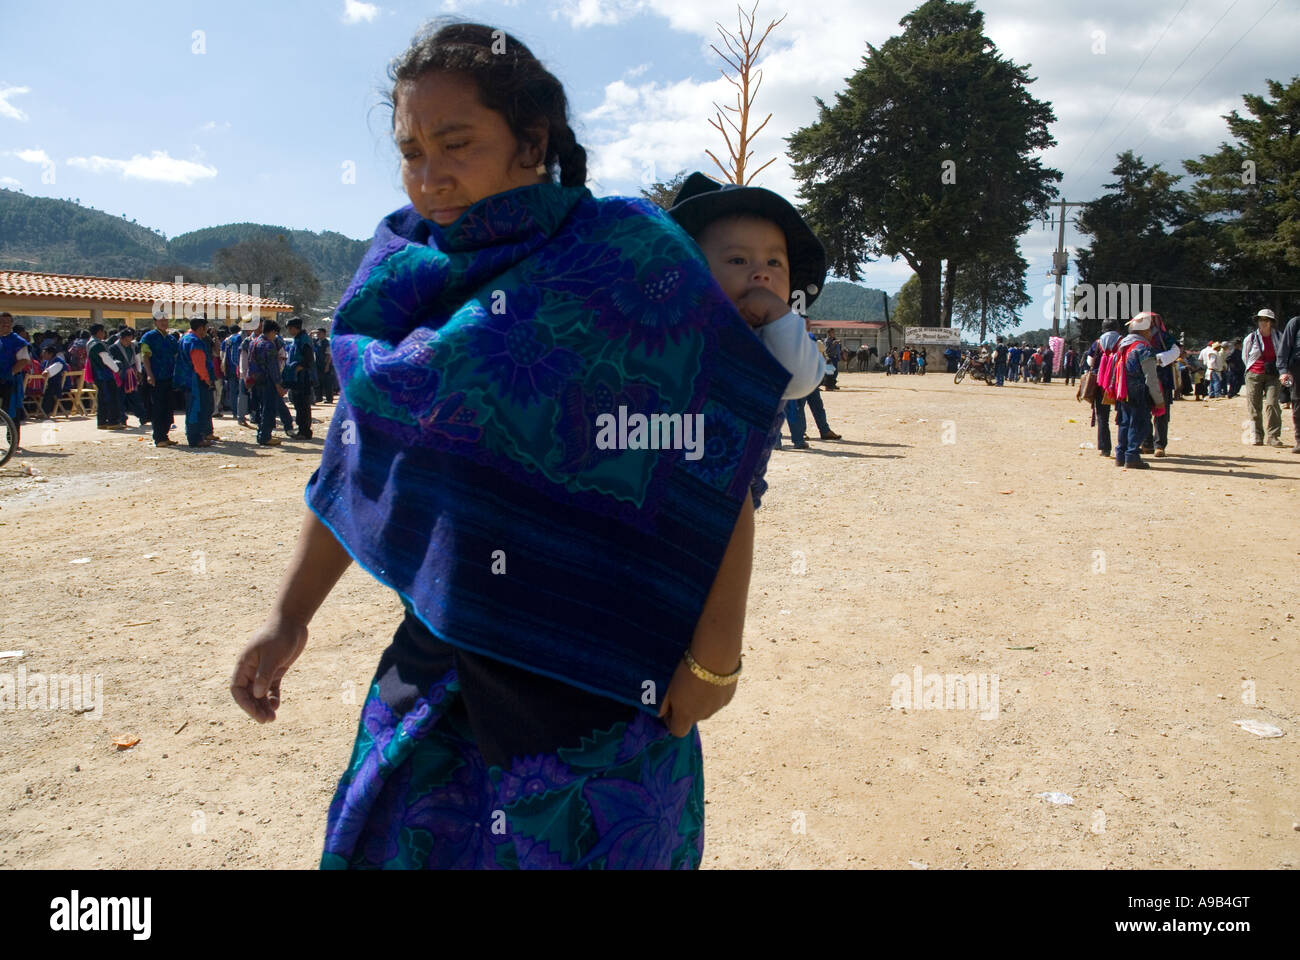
x=510 y=80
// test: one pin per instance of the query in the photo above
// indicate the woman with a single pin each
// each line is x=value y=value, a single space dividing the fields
x=574 y=599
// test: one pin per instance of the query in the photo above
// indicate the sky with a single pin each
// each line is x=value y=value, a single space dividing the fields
x=186 y=115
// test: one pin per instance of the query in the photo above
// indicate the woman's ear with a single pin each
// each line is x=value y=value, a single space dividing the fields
x=534 y=145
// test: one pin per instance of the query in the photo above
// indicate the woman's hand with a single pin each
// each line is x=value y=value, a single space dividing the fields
x=717 y=640
x=261 y=666
x=690 y=700
x=318 y=562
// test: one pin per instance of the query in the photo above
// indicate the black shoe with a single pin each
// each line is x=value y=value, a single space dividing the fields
x=1104 y=453
x=801 y=445
x=1137 y=465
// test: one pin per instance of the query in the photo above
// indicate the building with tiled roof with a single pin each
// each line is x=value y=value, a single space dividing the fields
x=134 y=302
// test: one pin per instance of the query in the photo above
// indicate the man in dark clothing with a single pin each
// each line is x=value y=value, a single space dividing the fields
x=124 y=353
x=834 y=353
x=158 y=352
x=1288 y=362
x=1167 y=352
x=268 y=388
x=1236 y=370
x=1000 y=361
x=105 y=370
x=299 y=376
x=14 y=355
x=324 y=368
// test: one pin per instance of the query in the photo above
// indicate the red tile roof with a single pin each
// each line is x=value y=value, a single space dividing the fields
x=63 y=287
x=848 y=324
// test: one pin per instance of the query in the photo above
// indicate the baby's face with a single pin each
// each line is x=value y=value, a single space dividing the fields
x=747 y=252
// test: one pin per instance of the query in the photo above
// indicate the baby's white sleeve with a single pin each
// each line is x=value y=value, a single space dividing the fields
x=788 y=341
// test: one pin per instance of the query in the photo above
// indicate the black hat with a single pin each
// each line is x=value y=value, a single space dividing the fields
x=701 y=200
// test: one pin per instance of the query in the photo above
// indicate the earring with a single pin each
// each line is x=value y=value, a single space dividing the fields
x=541 y=169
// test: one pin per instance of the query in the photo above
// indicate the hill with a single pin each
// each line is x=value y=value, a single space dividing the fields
x=849 y=302
x=333 y=257
x=62 y=236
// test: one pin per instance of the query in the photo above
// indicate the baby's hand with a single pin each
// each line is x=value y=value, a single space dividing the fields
x=760 y=306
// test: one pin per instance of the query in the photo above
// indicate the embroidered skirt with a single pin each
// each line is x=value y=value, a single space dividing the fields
x=461 y=762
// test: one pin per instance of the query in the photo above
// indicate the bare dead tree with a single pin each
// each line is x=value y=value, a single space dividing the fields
x=742 y=53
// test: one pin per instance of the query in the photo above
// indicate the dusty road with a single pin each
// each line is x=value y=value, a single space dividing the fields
x=1116 y=625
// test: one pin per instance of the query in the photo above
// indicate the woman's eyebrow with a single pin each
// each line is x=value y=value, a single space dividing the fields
x=442 y=131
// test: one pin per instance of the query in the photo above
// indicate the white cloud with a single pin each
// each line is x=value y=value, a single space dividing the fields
x=593 y=13
x=666 y=125
x=158 y=167
x=38 y=156
x=7 y=109
x=213 y=127
x=10 y=182
x=1166 y=112
x=354 y=11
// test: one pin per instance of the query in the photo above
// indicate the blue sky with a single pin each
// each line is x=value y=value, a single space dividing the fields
x=253 y=118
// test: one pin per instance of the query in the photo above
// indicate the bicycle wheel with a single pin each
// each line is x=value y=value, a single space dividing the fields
x=8 y=438
x=960 y=373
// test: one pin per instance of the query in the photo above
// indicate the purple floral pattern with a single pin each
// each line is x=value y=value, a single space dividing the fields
x=418 y=794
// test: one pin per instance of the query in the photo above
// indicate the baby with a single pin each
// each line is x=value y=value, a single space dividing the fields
x=760 y=250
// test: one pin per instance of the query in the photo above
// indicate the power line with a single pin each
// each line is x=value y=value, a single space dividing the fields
x=1216 y=23
x=1206 y=74
x=1088 y=142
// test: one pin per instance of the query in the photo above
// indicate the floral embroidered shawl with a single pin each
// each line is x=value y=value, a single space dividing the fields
x=463 y=466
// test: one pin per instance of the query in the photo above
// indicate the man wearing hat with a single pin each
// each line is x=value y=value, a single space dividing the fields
x=1138 y=365
x=1288 y=365
x=1260 y=352
x=763 y=254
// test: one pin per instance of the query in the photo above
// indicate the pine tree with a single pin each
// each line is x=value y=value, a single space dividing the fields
x=990 y=290
x=1249 y=191
x=927 y=152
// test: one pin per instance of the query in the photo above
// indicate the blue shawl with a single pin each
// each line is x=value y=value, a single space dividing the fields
x=466 y=466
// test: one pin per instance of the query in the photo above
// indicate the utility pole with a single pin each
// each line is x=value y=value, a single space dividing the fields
x=1060 y=266
x=889 y=329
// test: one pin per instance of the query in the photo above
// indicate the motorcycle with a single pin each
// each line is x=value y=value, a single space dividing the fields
x=977 y=370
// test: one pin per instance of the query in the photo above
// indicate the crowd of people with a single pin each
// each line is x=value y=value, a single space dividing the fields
x=1024 y=363
x=211 y=371
x=908 y=360
x=1140 y=375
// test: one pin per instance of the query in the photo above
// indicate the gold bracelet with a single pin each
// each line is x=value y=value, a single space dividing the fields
x=717 y=679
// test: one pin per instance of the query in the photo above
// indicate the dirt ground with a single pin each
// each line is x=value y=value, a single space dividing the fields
x=1127 y=618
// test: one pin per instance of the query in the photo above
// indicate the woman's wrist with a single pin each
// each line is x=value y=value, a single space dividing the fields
x=716 y=677
x=717 y=658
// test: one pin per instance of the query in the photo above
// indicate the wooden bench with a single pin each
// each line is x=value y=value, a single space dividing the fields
x=76 y=400
x=32 y=399
x=80 y=398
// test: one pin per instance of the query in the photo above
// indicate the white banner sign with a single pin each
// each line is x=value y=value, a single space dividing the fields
x=947 y=336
